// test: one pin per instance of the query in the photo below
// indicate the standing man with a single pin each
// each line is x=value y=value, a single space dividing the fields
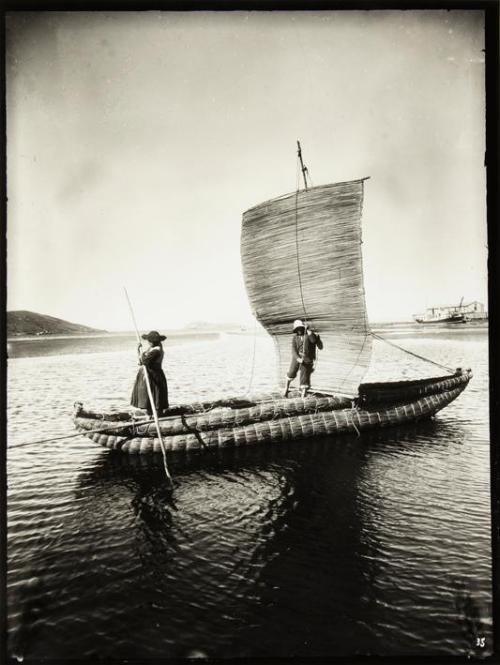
x=304 y=343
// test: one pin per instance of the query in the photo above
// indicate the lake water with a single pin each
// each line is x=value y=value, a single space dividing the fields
x=337 y=546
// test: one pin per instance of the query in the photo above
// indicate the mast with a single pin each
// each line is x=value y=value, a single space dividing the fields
x=302 y=167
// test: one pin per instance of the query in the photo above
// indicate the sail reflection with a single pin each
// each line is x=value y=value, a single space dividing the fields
x=242 y=526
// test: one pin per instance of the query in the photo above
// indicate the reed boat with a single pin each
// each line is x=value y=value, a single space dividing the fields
x=301 y=256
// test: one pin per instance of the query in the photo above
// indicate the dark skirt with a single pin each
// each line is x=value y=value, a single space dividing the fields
x=159 y=390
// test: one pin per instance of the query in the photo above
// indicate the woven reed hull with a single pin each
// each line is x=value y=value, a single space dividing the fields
x=299 y=426
x=223 y=418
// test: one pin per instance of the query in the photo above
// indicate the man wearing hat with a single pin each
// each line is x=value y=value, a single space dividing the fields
x=152 y=359
x=304 y=343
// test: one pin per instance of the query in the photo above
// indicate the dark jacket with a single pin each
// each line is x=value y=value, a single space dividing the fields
x=308 y=350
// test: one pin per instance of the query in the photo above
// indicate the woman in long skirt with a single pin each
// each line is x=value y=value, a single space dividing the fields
x=152 y=359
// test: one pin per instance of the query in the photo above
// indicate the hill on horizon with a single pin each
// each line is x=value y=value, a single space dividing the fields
x=23 y=322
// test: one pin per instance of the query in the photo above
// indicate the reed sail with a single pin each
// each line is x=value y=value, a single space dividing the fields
x=301 y=257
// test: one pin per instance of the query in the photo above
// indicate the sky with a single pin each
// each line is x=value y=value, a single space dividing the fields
x=136 y=140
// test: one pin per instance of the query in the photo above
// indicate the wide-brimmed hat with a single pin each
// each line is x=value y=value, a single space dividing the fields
x=298 y=324
x=154 y=336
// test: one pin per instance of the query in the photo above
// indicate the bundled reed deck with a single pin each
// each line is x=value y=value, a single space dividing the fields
x=245 y=428
x=225 y=414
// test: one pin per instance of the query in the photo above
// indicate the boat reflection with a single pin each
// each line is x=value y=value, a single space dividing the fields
x=299 y=549
x=242 y=527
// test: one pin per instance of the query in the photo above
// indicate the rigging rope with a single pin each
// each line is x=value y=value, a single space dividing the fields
x=297 y=236
x=99 y=430
x=411 y=353
x=297 y=253
x=253 y=357
x=356 y=361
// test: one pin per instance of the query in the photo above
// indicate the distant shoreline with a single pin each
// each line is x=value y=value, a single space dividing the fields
x=397 y=327
x=91 y=335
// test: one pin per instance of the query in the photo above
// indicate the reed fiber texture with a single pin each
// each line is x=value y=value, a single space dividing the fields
x=371 y=394
x=305 y=425
x=217 y=418
x=301 y=257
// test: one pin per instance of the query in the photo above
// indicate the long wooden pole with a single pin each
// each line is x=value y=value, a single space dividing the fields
x=150 y=395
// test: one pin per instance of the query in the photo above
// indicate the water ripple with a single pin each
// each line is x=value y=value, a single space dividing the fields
x=335 y=546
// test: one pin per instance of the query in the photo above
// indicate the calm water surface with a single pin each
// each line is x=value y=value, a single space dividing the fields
x=370 y=545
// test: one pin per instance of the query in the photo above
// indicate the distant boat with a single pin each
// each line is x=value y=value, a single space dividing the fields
x=473 y=311
x=453 y=318
x=301 y=256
